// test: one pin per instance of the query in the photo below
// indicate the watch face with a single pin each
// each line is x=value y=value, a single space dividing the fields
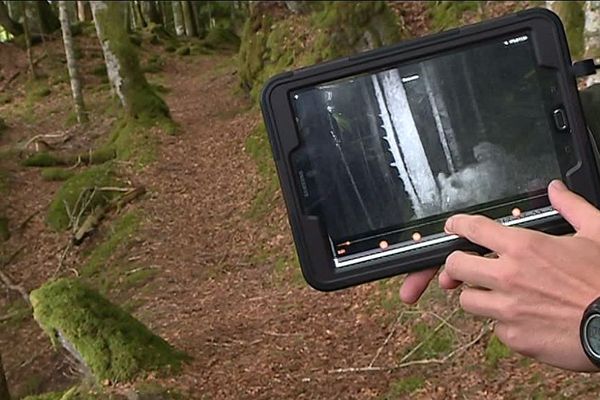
x=592 y=334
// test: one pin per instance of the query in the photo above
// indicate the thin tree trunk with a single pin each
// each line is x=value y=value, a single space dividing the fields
x=84 y=11
x=140 y=14
x=188 y=18
x=28 y=40
x=4 y=393
x=592 y=36
x=167 y=15
x=122 y=63
x=10 y=25
x=178 y=18
x=71 y=62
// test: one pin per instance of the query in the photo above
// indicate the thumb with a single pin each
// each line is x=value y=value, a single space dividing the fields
x=574 y=208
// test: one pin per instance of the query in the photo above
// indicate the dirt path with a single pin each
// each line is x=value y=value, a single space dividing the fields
x=251 y=336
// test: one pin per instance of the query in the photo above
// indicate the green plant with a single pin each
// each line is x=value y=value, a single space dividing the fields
x=403 y=387
x=495 y=351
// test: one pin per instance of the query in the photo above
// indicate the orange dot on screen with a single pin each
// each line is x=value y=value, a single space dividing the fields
x=383 y=244
x=341 y=251
x=416 y=236
x=516 y=212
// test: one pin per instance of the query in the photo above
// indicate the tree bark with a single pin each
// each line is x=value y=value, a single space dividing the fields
x=84 y=11
x=10 y=25
x=27 y=34
x=178 y=18
x=140 y=14
x=4 y=393
x=188 y=18
x=71 y=62
x=571 y=14
x=122 y=63
x=592 y=36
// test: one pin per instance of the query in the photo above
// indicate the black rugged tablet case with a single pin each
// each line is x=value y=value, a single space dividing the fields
x=311 y=241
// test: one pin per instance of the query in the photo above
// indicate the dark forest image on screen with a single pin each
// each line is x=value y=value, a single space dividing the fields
x=463 y=129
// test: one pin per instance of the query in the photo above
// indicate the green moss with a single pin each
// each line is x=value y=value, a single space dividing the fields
x=141 y=102
x=448 y=14
x=70 y=195
x=221 y=38
x=403 y=387
x=56 y=174
x=258 y=147
x=434 y=345
x=495 y=351
x=170 y=48
x=46 y=159
x=113 y=344
x=119 y=235
x=271 y=44
x=573 y=17
x=139 y=277
x=42 y=159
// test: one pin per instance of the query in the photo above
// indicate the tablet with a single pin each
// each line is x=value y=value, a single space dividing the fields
x=374 y=152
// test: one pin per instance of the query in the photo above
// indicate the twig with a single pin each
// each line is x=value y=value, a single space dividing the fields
x=12 y=257
x=459 y=350
x=387 y=339
x=432 y=334
x=62 y=258
x=8 y=316
x=115 y=189
x=8 y=282
x=26 y=221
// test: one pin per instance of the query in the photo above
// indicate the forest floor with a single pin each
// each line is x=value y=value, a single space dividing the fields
x=210 y=267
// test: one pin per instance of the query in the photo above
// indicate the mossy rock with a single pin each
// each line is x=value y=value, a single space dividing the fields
x=57 y=174
x=71 y=191
x=221 y=38
x=112 y=344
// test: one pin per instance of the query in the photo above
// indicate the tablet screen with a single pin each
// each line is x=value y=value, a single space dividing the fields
x=387 y=156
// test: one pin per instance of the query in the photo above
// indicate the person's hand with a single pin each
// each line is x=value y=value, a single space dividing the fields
x=539 y=286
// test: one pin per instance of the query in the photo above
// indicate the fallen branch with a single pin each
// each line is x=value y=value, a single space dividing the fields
x=387 y=339
x=428 y=361
x=94 y=218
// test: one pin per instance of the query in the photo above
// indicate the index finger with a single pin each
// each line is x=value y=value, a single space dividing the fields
x=482 y=231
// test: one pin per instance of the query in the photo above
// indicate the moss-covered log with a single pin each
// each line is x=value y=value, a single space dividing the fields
x=111 y=343
x=78 y=196
x=46 y=159
x=125 y=74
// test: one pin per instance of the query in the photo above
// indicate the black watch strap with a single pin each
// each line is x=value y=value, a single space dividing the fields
x=592 y=311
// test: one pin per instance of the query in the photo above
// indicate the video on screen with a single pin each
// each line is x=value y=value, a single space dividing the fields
x=441 y=135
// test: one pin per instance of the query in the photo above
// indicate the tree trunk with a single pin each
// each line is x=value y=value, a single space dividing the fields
x=84 y=11
x=28 y=40
x=167 y=15
x=4 y=393
x=152 y=13
x=188 y=18
x=592 y=36
x=140 y=14
x=178 y=18
x=122 y=64
x=10 y=25
x=71 y=62
x=48 y=20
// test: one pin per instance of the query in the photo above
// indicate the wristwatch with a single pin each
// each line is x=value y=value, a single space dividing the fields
x=589 y=332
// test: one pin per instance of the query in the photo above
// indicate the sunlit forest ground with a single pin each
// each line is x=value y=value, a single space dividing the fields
x=205 y=258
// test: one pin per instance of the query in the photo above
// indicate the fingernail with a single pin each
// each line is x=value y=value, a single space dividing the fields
x=448 y=225
x=558 y=185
